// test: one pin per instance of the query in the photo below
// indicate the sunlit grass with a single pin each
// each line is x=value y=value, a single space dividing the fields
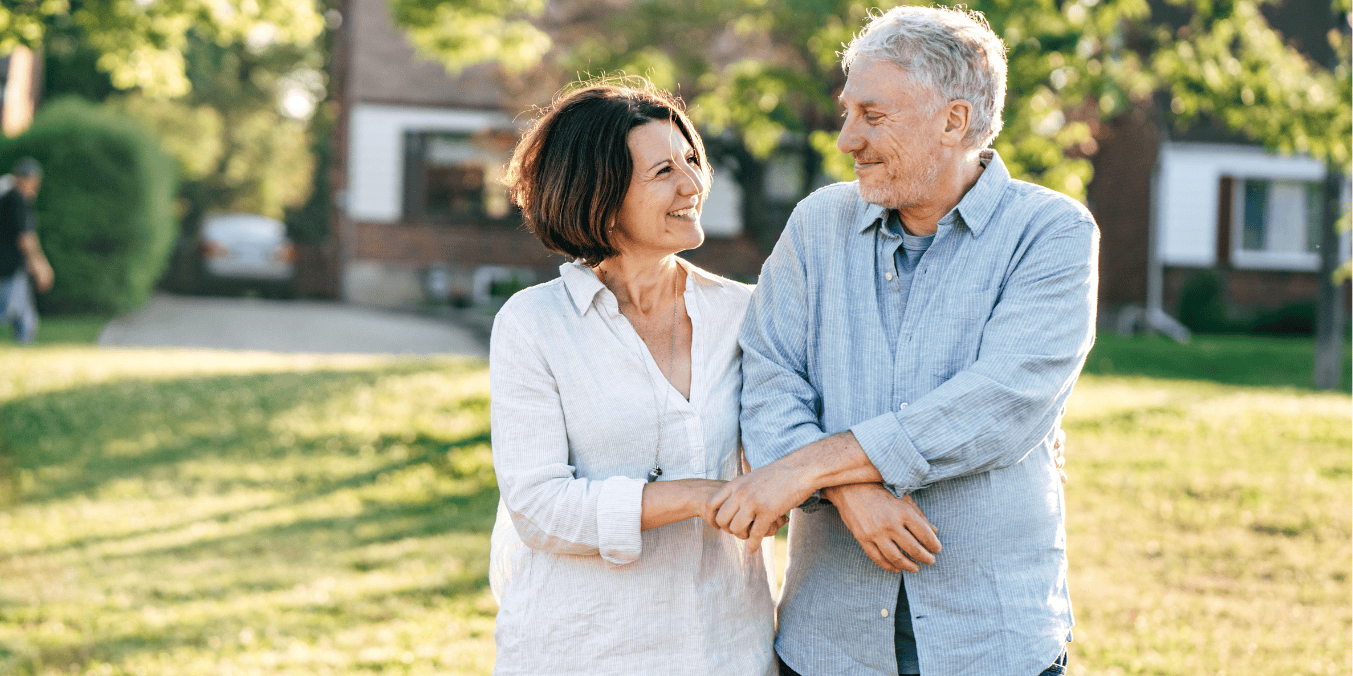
x=209 y=512
x=197 y=512
x=1209 y=528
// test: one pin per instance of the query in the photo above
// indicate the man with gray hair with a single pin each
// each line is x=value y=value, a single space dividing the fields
x=906 y=357
x=20 y=253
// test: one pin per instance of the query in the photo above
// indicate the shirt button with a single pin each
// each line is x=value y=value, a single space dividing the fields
x=884 y=612
x=903 y=406
x=888 y=276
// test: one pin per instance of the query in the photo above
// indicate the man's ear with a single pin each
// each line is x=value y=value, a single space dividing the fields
x=957 y=120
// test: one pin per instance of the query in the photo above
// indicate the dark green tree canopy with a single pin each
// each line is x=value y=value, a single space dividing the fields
x=141 y=43
x=765 y=69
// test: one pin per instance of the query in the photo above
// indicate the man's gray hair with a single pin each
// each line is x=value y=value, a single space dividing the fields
x=951 y=52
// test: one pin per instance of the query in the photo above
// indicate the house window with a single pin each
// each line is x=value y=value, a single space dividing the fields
x=455 y=178
x=1276 y=224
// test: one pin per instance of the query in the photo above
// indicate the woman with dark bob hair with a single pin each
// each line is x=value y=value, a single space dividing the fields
x=615 y=409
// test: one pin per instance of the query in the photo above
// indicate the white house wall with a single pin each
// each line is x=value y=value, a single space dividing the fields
x=1188 y=185
x=376 y=152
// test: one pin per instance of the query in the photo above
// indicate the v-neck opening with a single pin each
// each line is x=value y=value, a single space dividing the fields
x=654 y=371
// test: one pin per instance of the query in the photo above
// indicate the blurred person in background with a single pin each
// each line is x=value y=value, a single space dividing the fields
x=20 y=253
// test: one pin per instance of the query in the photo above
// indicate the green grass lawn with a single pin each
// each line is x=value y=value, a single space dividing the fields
x=1235 y=360
x=197 y=512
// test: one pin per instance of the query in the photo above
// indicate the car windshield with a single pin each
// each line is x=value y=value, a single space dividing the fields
x=249 y=227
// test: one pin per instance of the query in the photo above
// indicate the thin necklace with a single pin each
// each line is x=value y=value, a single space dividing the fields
x=656 y=472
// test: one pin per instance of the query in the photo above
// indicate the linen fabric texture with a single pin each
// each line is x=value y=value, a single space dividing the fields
x=958 y=410
x=581 y=590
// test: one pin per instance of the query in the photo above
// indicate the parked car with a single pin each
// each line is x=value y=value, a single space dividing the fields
x=242 y=252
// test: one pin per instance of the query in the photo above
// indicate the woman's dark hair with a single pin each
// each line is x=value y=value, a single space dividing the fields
x=572 y=168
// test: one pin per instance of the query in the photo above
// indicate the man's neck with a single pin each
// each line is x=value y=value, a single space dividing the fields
x=923 y=219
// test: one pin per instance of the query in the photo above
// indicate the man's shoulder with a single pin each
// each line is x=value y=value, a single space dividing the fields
x=839 y=204
x=1044 y=207
x=833 y=197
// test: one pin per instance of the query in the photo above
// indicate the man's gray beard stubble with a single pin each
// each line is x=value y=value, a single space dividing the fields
x=899 y=194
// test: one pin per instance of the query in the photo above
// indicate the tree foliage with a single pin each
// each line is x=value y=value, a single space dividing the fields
x=238 y=151
x=767 y=70
x=465 y=32
x=141 y=43
x=236 y=146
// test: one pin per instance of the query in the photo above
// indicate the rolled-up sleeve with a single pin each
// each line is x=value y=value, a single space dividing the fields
x=552 y=509
x=1031 y=351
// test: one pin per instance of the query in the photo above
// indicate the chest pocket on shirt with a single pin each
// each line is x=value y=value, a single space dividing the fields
x=957 y=325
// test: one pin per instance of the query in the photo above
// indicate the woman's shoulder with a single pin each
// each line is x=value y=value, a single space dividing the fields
x=534 y=303
x=718 y=285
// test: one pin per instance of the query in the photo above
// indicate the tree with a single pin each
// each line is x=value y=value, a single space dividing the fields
x=237 y=146
x=764 y=71
x=240 y=132
x=141 y=43
x=231 y=99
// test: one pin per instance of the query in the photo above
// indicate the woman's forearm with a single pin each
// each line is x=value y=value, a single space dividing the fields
x=667 y=502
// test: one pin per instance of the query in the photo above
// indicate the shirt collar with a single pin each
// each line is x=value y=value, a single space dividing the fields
x=978 y=204
x=583 y=285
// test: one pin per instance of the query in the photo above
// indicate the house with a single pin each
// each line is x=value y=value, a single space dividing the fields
x=1181 y=208
x=419 y=213
x=1173 y=206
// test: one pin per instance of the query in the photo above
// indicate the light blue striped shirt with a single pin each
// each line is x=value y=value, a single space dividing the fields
x=999 y=319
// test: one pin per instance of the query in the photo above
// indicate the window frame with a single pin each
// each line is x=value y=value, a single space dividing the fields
x=415 y=184
x=1252 y=259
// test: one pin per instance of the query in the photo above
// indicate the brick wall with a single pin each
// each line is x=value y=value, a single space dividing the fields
x=1120 y=199
x=1248 y=292
x=383 y=67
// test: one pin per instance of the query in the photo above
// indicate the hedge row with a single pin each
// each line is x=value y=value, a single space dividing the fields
x=105 y=212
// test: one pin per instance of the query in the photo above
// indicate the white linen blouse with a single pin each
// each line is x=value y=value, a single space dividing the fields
x=580 y=589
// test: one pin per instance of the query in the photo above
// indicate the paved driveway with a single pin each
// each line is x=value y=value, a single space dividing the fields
x=289 y=326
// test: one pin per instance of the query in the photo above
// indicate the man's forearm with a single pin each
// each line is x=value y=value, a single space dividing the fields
x=752 y=504
x=832 y=461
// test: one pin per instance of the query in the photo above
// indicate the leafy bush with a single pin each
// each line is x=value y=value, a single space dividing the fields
x=105 y=212
x=1201 y=307
x=1297 y=319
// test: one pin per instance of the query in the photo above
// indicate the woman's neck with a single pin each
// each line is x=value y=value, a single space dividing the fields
x=643 y=285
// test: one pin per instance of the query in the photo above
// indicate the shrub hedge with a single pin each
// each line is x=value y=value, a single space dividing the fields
x=105 y=212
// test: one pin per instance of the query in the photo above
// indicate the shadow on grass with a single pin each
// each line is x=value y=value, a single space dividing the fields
x=92 y=442
x=86 y=431
x=473 y=512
